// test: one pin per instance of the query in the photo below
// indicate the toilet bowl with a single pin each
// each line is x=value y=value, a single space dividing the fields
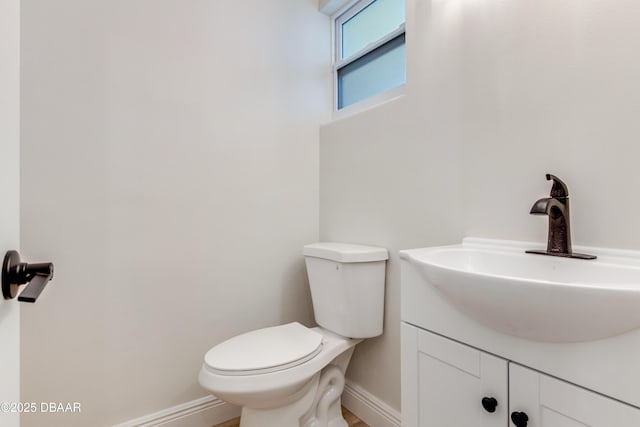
x=291 y=375
x=285 y=391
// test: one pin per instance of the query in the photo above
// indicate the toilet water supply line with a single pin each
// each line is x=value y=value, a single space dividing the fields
x=329 y=391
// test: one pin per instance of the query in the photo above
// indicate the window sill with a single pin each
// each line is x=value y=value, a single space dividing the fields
x=370 y=103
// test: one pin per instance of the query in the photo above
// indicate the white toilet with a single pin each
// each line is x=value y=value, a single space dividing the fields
x=291 y=375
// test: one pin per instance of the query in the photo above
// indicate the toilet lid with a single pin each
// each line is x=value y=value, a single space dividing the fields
x=265 y=350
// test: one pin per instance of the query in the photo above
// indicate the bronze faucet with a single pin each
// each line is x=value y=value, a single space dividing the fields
x=556 y=208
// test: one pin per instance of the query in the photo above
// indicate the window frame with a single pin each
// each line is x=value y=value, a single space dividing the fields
x=339 y=18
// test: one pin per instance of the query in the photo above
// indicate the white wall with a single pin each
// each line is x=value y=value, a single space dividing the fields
x=170 y=170
x=498 y=94
x=559 y=94
x=9 y=195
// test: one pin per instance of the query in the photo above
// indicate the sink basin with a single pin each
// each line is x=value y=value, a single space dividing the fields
x=536 y=297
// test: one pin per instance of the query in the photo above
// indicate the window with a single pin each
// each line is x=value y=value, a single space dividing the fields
x=370 y=50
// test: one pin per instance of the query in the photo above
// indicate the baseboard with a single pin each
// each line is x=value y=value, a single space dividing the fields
x=368 y=407
x=209 y=411
x=204 y=412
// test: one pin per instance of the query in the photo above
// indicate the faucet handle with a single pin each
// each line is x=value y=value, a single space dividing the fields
x=559 y=188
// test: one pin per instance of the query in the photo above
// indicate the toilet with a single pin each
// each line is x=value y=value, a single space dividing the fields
x=291 y=375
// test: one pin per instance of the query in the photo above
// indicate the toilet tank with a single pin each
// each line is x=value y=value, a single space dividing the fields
x=347 y=287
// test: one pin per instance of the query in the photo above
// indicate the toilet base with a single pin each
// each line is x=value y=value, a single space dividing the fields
x=287 y=415
x=318 y=406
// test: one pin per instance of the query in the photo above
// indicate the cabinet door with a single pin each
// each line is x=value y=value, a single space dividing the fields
x=444 y=383
x=549 y=402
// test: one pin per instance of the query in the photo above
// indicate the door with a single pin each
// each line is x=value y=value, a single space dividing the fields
x=9 y=202
x=549 y=402
x=447 y=384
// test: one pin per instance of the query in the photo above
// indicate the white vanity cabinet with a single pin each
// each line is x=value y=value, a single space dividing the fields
x=444 y=382
x=555 y=339
x=449 y=384
x=550 y=402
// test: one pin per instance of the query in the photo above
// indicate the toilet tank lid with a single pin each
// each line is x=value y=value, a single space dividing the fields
x=345 y=252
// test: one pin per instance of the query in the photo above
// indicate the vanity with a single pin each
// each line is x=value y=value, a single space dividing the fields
x=493 y=336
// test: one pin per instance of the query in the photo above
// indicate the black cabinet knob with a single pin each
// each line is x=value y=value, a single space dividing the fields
x=519 y=419
x=489 y=404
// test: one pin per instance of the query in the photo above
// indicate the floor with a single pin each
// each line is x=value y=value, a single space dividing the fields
x=352 y=420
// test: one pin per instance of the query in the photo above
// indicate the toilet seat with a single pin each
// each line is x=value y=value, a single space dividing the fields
x=255 y=390
x=264 y=350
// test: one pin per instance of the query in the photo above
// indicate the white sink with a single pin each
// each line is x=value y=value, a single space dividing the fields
x=536 y=297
